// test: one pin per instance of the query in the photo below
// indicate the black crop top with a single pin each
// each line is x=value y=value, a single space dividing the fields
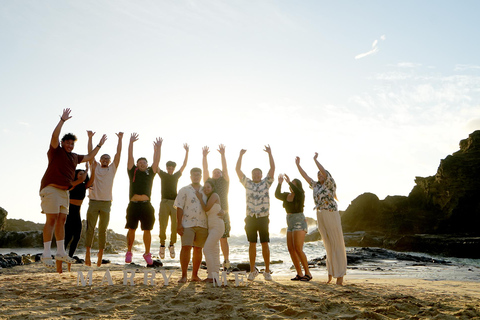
x=296 y=206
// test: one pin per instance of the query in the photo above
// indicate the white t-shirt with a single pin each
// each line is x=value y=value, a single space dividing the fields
x=103 y=183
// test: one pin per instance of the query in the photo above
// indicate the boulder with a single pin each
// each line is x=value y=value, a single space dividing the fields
x=3 y=218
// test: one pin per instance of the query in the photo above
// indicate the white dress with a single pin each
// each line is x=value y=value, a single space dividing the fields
x=211 y=249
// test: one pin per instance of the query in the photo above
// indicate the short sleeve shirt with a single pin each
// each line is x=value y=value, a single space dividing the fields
x=258 y=198
x=141 y=181
x=169 y=184
x=221 y=188
x=324 y=194
x=193 y=214
x=61 y=167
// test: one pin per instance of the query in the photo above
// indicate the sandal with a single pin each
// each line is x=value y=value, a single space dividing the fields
x=306 y=278
x=48 y=262
x=297 y=278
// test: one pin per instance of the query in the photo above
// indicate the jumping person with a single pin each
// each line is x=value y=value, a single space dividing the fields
x=139 y=208
x=328 y=220
x=101 y=197
x=221 y=182
x=258 y=206
x=56 y=182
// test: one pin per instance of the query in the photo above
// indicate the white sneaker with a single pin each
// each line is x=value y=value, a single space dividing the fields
x=171 y=248
x=252 y=275
x=267 y=276
x=65 y=258
x=162 y=252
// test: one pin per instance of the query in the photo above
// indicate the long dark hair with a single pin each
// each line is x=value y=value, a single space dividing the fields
x=211 y=182
x=298 y=183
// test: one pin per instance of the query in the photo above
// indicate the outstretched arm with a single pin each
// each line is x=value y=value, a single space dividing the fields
x=302 y=172
x=206 y=173
x=131 y=161
x=239 y=164
x=319 y=166
x=92 y=176
x=184 y=165
x=91 y=155
x=90 y=135
x=278 y=190
x=221 y=149
x=116 y=159
x=54 y=142
x=271 y=172
x=157 y=152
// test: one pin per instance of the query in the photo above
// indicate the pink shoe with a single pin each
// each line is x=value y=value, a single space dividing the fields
x=128 y=257
x=148 y=258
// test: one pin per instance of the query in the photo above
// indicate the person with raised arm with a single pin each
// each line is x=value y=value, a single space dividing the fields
x=57 y=180
x=139 y=208
x=169 y=182
x=293 y=202
x=221 y=182
x=258 y=207
x=100 y=203
x=328 y=220
x=216 y=227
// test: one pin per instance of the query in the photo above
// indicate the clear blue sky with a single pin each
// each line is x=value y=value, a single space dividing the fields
x=382 y=90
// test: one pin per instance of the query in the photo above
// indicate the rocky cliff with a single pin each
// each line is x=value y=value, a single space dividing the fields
x=445 y=204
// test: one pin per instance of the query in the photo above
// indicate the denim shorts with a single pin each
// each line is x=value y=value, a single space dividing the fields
x=296 y=222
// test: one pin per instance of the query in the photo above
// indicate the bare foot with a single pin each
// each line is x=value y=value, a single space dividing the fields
x=209 y=280
x=182 y=280
x=340 y=281
x=195 y=279
x=329 y=278
x=58 y=264
x=99 y=258
x=87 y=261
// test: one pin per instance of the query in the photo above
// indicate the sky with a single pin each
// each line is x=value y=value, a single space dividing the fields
x=382 y=90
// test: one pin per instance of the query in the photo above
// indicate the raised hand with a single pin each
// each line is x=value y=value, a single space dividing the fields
x=158 y=142
x=297 y=161
x=205 y=151
x=186 y=147
x=280 y=178
x=65 y=114
x=134 y=137
x=102 y=140
x=90 y=133
x=315 y=156
x=267 y=149
x=242 y=152
x=286 y=178
x=221 y=149
x=120 y=135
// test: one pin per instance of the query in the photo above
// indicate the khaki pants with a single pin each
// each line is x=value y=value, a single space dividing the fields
x=167 y=210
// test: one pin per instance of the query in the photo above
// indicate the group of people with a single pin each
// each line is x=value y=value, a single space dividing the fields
x=199 y=214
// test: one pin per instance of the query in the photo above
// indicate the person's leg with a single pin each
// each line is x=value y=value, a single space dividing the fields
x=252 y=255
x=196 y=261
x=298 y=241
x=147 y=240
x=77 y=231
x=92 y=217
x=173 y=223
x=48 y=229
x=263 y=223
x=266 y=256
x=293 y=254
x=102 y=233
x=224 y=240
x=130 y=239
x=163 y=215
x=60 y=234
x=69 y=230
x=185 y=253
x=338 y=258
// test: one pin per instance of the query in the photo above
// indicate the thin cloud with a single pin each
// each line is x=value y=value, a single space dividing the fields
x=462 y=67
x=26 y=124
x=374 y=49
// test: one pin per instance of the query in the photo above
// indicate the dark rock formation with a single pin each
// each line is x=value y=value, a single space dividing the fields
x=3 y=218
x=446 y=204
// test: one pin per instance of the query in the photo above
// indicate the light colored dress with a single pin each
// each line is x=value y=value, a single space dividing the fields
x=211 y=249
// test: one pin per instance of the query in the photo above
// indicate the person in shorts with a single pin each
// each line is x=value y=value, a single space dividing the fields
x=54 y=194
x=191 y=225
x=139 y=208
x=258 y=206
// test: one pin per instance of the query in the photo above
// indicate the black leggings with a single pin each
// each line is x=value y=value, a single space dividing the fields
x=73 y=228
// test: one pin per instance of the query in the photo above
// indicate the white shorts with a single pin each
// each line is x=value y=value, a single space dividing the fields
x=54 y=200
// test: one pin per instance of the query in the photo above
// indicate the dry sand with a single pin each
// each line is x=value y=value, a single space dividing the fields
x=32 y=292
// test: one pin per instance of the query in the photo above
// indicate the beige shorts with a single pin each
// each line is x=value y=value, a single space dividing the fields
x=194 y=237
x=54 y=200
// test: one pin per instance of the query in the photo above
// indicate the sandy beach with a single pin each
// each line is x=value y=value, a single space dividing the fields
x=33 y=292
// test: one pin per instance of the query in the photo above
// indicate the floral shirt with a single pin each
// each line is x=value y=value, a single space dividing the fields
x=324 y=194
x=193 y=214
x=258 y=199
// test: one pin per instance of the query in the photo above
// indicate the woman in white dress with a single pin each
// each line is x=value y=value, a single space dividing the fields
x=216 y=228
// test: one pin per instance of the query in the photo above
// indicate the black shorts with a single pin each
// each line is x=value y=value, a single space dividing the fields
x=140 y=211
x=254 y=225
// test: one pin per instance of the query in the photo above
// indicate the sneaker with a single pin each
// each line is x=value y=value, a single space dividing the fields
x=162 y=252
x=226 y=265
x=48 y=262
x=148 y=258
x=65 y=258
x=252 y=275
x=171 y=248
x=128 y=257
x=267 y=276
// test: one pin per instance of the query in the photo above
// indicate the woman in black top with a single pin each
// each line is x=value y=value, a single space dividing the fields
x=293 y=203
x=73 y=225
